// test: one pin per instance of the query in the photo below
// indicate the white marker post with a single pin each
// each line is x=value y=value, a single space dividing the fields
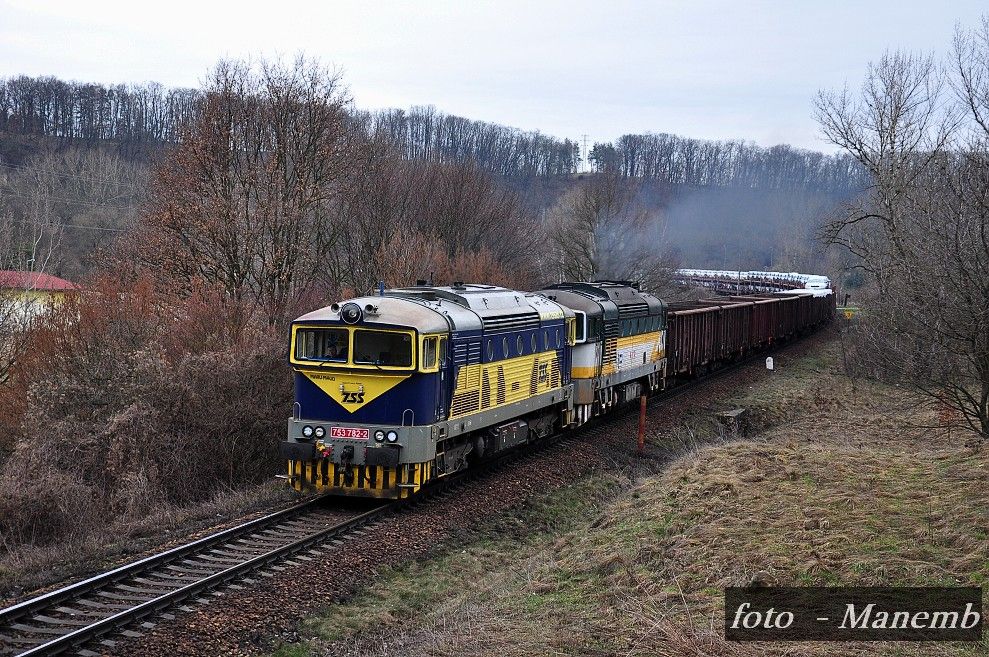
x=769 y=364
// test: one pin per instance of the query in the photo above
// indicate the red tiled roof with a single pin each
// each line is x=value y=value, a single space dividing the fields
x=29 y=280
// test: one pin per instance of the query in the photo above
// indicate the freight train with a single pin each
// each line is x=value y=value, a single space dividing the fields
x=397 y=390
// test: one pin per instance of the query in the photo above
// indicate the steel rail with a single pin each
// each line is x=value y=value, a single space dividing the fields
x=126 y=617
x=28 y=607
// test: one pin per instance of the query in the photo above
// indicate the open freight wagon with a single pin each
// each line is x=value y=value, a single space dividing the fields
x=701 y=333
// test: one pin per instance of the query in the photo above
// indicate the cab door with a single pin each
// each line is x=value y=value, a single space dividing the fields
x=443 y=387
x=434 y=363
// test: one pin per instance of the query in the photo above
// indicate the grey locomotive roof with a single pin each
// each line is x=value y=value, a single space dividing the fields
x=437 y=309
x=589 y=297
x=390 y=310
x=571 y=299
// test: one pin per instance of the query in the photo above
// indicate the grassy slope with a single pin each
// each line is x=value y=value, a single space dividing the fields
x=832 y=488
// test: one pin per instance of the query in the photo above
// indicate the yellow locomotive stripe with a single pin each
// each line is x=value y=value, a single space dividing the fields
x=640 y=339
x=613 y=346
x=353 y=390
x=489 y=385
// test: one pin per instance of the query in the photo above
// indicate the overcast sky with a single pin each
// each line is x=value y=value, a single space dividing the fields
x=604 y=68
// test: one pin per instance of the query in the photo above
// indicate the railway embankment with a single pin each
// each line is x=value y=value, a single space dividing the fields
x=835 y=482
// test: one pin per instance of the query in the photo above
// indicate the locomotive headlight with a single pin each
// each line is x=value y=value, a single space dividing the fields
x=351 y=313
x=379 y=435
x=307 y=431
x=392 y=436
x=320 y=432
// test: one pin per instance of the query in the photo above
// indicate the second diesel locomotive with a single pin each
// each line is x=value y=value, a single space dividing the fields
x=619 y=349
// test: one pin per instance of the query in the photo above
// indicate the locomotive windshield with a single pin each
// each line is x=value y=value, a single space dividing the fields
x=383 y=348
x=326 y=344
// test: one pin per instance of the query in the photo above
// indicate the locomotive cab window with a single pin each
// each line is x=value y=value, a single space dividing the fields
x=429 y=353
x=581 y=335
x=322 y=344
x=382 y=348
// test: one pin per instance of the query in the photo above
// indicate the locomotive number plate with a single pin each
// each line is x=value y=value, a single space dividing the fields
x=349 y=432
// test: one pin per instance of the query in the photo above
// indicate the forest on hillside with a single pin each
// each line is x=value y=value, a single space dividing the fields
x=139 y=119
x=78 y=156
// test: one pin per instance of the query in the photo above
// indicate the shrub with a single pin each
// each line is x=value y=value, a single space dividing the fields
x=138 y=401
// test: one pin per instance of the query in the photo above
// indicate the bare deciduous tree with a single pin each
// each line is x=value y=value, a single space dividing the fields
x=598 y=231
x=27 y=244
x=245 y=203
x=922 y=229
x=91 y=195
x=446 y=211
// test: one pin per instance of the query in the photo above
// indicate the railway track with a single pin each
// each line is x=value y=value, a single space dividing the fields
x=71 y=617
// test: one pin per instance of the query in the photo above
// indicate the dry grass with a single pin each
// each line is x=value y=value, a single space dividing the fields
x=836 y=487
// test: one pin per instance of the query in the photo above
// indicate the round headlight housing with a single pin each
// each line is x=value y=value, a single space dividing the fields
x=307 y=431
x=392 y=436
x=351 y=313
x=379 y=436
x=320 y=432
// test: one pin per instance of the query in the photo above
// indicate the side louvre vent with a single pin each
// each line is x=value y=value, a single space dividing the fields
x=485 y=390
x=467 y=352
x=511 y=323
x=633 y=310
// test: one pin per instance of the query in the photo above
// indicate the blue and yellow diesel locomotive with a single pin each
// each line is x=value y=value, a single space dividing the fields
x=395 y=390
